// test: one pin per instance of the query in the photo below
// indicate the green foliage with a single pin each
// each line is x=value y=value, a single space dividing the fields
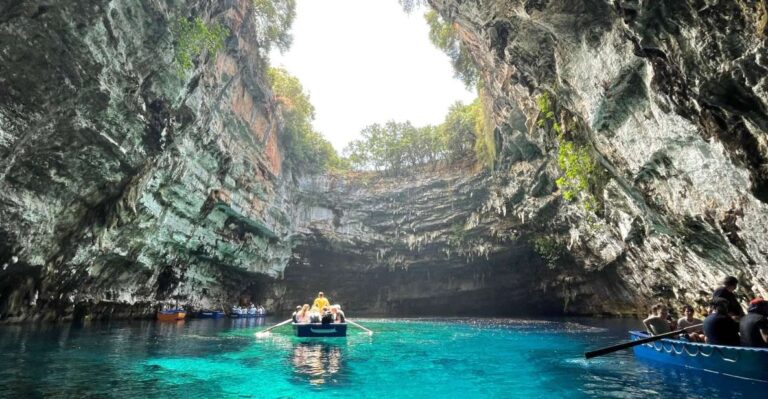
x=580 y=171
x=485 y=142
x=192 y=37
x=578 y=168
x=273 y=23
x=304 y=147
x=444 y=36
x=549 y=248
x=397 y=146
x=394 y=146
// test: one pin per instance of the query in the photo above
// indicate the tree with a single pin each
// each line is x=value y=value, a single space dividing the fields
x=444 y=36
x=305 y=150
x=273 y=23
x=192 y=36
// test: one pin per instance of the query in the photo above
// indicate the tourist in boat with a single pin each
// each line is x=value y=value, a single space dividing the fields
x=657 y=323
x=753 y=327
x=314 y=315
x=303 y=316
x=321 y=301
x=338 y=314
x=295 y=315
x=260 y=310
x=719 y=327
x=687 y=321
x=328 y=316
x=726 y=291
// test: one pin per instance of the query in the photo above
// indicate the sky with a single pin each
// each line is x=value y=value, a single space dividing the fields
x=367 y=61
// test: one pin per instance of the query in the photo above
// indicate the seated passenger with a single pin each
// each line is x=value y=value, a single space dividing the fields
x=314 y=315
x=303 y=316
x=719 y=327
x=687 y=321
x=754 y=326
x=295 y=315
x=657 y=323
x=328 y=317
x=338 y=314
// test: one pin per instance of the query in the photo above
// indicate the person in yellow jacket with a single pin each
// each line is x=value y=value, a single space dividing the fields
x=321 y=301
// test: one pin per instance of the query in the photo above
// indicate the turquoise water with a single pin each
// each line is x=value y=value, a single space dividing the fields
x=484 y=358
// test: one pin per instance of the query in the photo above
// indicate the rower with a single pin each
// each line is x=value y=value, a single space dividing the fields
x=726 y=291
x=321 y=301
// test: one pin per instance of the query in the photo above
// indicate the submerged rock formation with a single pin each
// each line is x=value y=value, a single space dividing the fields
x=126 y=183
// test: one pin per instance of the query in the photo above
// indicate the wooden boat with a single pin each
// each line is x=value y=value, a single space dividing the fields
x=320 y=330
x=171 y=315
x=210 y=314
x=734 y=361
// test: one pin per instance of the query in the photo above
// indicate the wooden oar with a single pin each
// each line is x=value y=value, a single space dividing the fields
x=355 y=324
x=630 y=344
x=263 y=332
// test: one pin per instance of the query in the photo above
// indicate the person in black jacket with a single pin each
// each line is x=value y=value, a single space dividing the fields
x=754 y=326
x=328 y=317
x=726 y=292
x=719 y=327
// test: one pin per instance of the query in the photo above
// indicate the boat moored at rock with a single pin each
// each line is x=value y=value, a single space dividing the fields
x=171 y=315
x=210 y=314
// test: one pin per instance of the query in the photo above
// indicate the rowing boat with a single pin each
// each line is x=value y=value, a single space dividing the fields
x=171 y=315
x=734 y=361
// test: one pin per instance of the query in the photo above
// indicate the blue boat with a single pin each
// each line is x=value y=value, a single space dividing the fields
x=210 y=314
x=734 y=361
x=320 y=330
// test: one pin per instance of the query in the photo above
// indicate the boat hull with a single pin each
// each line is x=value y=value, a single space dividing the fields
x=210 y=315
x=171 y=316
x=320 y=330
x=734 y=361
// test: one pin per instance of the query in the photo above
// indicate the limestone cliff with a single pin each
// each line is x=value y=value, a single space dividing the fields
x=671 y=97
x=124 y=183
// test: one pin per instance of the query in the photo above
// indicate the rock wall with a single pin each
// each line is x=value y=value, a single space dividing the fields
x=125 y=183
x=671 y=97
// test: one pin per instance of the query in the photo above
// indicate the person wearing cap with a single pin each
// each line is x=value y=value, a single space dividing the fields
x=719 y=327
x=321 y=301
x=726 y=292
x=754 y=326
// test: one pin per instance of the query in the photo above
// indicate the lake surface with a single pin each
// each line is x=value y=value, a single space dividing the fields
x=405 y=358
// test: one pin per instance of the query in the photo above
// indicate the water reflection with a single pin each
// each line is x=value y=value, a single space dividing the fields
x=250 y=322
x=317 y=362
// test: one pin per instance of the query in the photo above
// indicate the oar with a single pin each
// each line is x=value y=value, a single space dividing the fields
x=630 y=344
x=355 y=324
x=264 y=332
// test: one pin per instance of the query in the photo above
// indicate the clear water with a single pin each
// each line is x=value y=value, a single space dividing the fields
x=485 y=358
